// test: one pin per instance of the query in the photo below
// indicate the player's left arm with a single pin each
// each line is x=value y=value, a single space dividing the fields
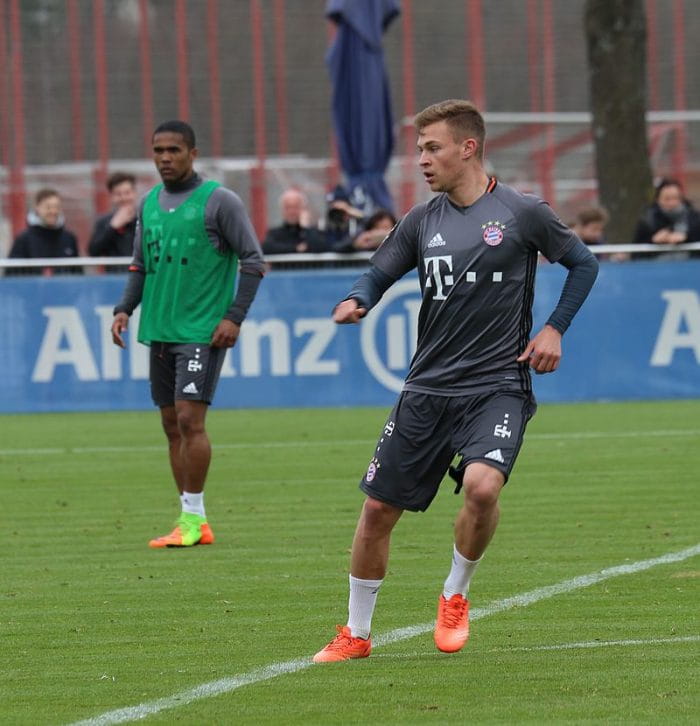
x=234 y=229
x=543 y=352
x=559 y=244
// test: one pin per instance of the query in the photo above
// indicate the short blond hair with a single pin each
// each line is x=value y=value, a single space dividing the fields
x=463 y=118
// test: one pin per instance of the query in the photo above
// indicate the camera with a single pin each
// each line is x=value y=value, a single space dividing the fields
x=336 y=216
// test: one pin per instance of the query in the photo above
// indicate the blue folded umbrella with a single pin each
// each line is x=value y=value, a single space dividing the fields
x=361 y=101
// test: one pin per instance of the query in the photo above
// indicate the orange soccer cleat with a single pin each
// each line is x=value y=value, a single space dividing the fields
x=207 y=535
x=344 y=647
x=452 y=626
x=190 y=529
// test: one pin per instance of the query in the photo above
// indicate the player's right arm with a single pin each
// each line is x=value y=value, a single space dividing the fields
x=119 y=325
x=365 y=294
x=133 y=291
x=348 y=311
x=395 y=257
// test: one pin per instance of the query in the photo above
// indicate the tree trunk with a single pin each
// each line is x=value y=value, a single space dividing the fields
x=616 y=43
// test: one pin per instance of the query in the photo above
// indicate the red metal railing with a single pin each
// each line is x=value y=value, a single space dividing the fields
x=146 y=77
x=81 y=18
x=17 y=191
x=258 y=192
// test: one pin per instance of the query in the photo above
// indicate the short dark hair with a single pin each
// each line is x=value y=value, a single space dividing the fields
x=119 y=177
x=45 y=193
x=377 y=216
x=463 y=118
x=179 y=127
x=666 y=182
x=588 y=215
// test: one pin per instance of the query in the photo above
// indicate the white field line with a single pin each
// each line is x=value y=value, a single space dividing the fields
x=574 y=435
x=226 y=685
x=607 y=643
x=560 y=646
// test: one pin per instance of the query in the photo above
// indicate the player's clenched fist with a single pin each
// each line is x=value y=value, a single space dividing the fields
x=348 y=311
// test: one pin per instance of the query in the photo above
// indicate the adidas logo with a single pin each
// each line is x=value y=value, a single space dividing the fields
x=191 y=388
x=437 y=241
x=496 y=455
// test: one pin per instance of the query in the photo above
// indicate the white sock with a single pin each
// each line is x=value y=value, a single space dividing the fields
x=363 y=597
x=193 y=503
x=461 y=572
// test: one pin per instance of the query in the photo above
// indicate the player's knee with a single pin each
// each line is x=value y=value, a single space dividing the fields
x=378 y=516
x=482 y=493
x=172 y=433
x=170 y=427
x=189 y=423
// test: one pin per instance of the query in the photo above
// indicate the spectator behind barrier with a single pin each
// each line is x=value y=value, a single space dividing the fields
x=45 y=236
x=670 y=220
x=113 y=235
x=295 y=234
x=377 y=227
x=590 y=227
x=342 y=221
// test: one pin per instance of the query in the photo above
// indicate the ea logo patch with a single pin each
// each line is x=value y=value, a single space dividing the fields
x=493 y=233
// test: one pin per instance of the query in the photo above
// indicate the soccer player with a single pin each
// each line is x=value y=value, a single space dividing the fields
x=468 y=391
x=190 y=237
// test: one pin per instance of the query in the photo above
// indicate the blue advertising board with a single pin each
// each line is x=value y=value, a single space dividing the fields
x=637 y=337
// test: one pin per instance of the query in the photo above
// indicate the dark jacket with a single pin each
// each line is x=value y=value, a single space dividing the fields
x=655 y=219
x=285 y=238
x=40 y=241
x=109 y=242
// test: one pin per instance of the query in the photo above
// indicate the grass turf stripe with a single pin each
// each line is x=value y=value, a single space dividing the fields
x=258 y=675
x=580 y=435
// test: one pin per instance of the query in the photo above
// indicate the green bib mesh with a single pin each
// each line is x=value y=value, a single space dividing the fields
x=189 y=284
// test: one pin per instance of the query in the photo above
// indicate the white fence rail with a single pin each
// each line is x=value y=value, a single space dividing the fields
x=306 y=258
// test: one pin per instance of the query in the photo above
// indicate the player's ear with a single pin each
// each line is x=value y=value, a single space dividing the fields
x=468 y=148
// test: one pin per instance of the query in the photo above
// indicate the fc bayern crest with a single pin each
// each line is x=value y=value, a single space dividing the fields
x=493 y=233
x=371 y=470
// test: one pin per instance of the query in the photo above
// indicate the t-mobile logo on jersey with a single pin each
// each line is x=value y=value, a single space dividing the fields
x=439 y=275
x=502 y=430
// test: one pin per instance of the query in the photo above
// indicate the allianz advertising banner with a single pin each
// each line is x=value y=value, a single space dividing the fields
x=637 y=336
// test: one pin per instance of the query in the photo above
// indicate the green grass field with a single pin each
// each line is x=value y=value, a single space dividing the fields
x=93 y=621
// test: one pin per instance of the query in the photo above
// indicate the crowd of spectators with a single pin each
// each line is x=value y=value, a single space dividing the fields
x=342 y=227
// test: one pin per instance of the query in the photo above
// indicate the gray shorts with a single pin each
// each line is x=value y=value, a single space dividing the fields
x=425 y=432
x=184 y=371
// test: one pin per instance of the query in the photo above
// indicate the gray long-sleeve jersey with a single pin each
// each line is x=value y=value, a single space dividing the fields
x=476 y=267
